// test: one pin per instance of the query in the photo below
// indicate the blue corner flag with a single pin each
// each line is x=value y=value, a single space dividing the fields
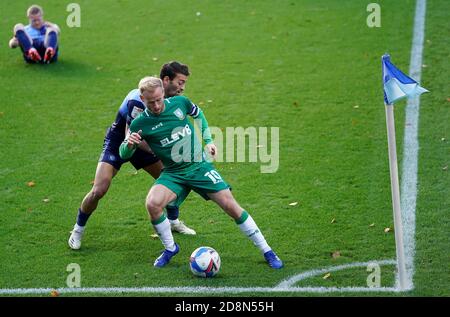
x=396 y=84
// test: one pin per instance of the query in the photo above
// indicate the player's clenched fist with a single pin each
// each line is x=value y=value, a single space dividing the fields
x=211 y=149
x=134 y=139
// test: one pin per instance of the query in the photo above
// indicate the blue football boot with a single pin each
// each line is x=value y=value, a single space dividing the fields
x=273 y=260
x=165 y=256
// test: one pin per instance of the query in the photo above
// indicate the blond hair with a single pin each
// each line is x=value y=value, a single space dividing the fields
x=150 y=84
x=35 y=9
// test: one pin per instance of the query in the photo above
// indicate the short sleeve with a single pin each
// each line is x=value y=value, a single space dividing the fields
x=134 y=109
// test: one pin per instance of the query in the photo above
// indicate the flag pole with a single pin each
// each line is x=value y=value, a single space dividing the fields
x=398 y=227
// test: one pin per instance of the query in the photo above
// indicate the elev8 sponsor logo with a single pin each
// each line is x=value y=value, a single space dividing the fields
x=186 y=130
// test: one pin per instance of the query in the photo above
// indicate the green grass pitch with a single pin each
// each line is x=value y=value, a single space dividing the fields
x=311 y=68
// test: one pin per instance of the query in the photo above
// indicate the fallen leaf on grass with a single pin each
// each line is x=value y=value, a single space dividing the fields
x=326 y=276
x=333 y=220
x=54 y=293
x=372 y=225
x=335 y=254
x=46 y=200
x=386 y=230
x=31 y=184
x=154 y=236
x=293 y=204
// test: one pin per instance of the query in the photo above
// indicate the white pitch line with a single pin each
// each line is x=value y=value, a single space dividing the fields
x=285 y=286
x=308 y=274
x=195 y=290
x=411 y=147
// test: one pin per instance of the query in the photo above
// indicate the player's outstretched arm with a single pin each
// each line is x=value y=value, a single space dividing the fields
x=129 y=145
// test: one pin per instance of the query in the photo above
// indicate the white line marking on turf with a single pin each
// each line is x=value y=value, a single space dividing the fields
x=305 y=275
x=196 y=290
x=408 y=194
x=285 y=286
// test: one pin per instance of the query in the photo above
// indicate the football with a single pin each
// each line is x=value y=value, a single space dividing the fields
x=204 y=262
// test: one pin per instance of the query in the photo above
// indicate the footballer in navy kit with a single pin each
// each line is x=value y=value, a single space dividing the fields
x=131 y=107
x=174 y=76
x=37 y=40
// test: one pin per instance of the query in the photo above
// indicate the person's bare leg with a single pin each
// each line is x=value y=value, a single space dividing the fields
x=103 y=177
x=173 y=211
x=158 y=197
x=154 y=169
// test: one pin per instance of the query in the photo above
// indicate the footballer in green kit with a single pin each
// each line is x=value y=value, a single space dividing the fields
x=166 y=128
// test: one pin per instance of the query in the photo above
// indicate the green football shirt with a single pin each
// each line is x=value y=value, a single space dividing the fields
x=171 y=135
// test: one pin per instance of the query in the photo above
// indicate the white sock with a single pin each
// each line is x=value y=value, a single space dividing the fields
x=78 y=228
x=174 y=222
x=251 y=230
x=165 y=234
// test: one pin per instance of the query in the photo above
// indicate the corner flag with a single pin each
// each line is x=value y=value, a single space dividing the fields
x=396 y=86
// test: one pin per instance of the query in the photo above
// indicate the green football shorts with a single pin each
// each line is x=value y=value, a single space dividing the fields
x=203 y=180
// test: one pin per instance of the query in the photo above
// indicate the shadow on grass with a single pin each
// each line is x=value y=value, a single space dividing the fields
x=64 y=68
x=67 y=68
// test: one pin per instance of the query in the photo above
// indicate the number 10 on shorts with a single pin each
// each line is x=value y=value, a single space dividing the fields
x=214 y=176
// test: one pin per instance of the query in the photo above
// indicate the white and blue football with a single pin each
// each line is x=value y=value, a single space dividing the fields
x=204 y=262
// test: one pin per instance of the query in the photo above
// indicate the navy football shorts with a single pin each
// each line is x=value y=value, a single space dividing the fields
x=140 y=159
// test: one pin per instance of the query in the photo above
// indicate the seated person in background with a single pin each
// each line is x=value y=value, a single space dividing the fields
x=37 y=40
